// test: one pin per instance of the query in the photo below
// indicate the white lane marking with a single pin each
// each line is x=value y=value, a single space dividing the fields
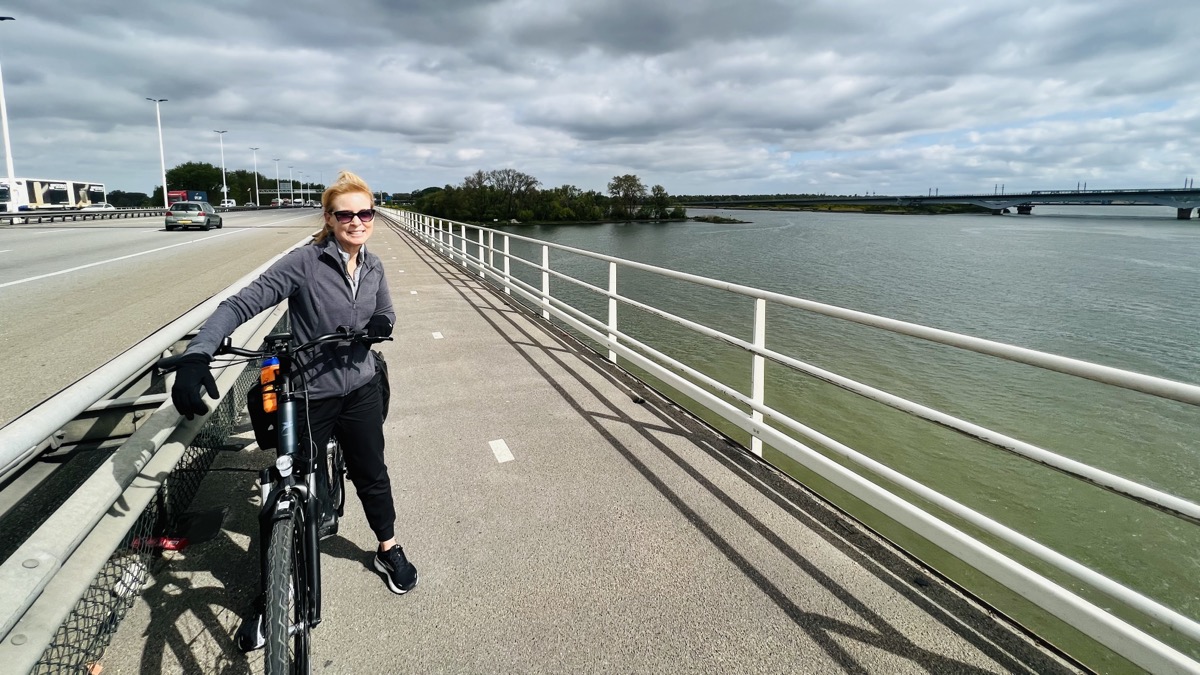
x=437 y=336
x=50 y=231
x=400 y=271
x=501 y=451
x=9 y=250
x=410 y=292
x=124 y=257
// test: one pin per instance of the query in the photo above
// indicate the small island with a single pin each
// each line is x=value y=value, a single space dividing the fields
x=722 y=220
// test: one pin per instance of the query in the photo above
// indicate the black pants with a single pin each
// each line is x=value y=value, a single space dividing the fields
x=357 y=420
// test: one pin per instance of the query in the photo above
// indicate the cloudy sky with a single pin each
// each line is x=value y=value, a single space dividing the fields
x=700 y=96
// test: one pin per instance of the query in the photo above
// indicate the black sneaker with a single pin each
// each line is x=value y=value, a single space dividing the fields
x=250 y=635
x=400 y=575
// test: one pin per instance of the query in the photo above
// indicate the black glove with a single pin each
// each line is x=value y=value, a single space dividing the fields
x=379 y=327
x=192 y=373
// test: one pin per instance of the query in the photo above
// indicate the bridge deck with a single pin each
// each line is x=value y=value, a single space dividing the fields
x=622 y=537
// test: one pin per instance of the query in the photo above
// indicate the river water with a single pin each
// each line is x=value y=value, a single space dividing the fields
x=1112 y=285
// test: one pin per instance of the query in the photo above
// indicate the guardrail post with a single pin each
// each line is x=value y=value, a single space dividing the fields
x=758 y=370
x=612 y=310
x=507 y=271
x=492 y=249
x=463 y=231
x=545 y=282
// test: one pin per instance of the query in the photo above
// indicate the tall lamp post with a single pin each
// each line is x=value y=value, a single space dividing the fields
x=224 y=187
x=278 y=192
x=12 y=180
x=291 y=187
x=257 y=201
x=162 y=157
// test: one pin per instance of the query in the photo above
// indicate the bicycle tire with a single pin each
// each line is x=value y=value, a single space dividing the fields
x=286 y=620
x=337 y=477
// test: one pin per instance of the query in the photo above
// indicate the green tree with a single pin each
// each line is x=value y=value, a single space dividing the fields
x=628 y=193
x=514 y=189
x=660 y=202
x=195 y=176
x=476 y=195
x=131 y=200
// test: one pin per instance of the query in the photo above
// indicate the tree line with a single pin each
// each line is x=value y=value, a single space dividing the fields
x=509 y=195
x=207 y=178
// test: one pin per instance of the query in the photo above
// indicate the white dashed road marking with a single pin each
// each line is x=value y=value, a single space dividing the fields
x=501 y=451
x=437 y=336
x=410 y=292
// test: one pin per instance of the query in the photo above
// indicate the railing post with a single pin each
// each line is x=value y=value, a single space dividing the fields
x=545 y=282
x=612 y=309
x=758 y=369
x=492 y=249
x=483 y=268
x=507 y=271
x=464 y=245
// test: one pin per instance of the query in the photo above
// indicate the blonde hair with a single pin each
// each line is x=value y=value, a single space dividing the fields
x=346 y=182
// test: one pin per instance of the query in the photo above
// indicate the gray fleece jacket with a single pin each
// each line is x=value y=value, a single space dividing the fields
x=313 y=280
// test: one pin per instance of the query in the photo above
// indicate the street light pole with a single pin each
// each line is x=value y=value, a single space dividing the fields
x=257 y=200
x=162 y=157
x=224 y=187
x=291 y=187
x=12 y=179
x=278 y=192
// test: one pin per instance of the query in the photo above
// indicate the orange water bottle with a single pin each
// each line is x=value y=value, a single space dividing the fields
x=270 y=370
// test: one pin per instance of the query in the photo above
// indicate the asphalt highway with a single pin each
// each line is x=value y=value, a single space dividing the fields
x=74 y=295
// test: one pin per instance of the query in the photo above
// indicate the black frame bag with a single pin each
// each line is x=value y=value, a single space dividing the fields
x=266 y=433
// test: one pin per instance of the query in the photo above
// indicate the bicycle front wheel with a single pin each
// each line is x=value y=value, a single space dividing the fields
x=286 y=620
x=337 y=477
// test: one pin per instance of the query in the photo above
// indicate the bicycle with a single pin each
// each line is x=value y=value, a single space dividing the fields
x=289 y=527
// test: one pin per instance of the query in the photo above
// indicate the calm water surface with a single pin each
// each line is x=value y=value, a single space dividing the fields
x=1113 y=285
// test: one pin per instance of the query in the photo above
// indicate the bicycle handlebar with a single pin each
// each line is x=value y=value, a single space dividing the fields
x=277 y=346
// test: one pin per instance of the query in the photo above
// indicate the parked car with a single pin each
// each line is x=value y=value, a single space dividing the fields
x=250 y=204
x=278 y=202
x=312 y=203
x=228 y=203
x=98 y=207
x=192 y=214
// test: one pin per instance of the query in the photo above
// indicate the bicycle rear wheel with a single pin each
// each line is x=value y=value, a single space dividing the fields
x=286 y=620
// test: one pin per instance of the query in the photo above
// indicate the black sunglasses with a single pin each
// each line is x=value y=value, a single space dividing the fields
x=366 y=215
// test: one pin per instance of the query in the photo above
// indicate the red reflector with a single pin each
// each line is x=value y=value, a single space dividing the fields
x=165 y=543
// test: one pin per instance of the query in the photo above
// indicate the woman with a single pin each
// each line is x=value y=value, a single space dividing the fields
x=332 y=283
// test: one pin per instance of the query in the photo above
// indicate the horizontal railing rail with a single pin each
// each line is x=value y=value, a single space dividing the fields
x=475 y=249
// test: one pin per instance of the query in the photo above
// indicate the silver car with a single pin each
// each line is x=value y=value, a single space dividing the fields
x=192 y=214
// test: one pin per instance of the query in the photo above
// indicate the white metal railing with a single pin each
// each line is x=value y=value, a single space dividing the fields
x=474 y=248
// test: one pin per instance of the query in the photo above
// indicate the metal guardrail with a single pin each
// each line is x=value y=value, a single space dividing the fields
x=62 y=216
x=456 y=241
x=53 y=216
x=67 y=586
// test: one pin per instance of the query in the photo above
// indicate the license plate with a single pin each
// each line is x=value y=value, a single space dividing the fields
x=185 y=222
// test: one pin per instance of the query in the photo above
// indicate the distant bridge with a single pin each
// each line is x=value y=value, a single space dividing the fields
x=1183 y=200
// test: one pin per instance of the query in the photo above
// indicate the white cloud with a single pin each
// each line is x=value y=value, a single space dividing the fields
x=699 y=96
